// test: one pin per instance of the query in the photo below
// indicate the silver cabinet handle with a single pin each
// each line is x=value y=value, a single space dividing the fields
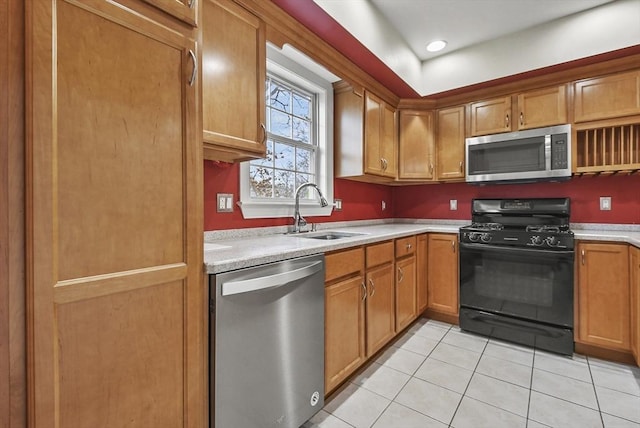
x=431 y=168
x=507 y=121
x=408 y=247
x=192 y=3
x=400 y=275
x=373 y=287
x=194 y=73
x=460 y=166
x=582 y=256
x=272 y=281
x=364 y=291
x=521 y=118
x=264 y=134
x=453 y=246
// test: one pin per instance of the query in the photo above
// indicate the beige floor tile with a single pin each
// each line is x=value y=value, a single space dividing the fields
x=476 y=414
x=510 y=352
x=323 y=419
x=567 y=388
x=619 y=404
x=505 y=370
x=457 y=356
x=432 y=400
x=465 y=340
x=615 y=422
x=620 y=377
x=565 y=366
x=357 y=406
x=418 y=344
x=559 y=413
x=397 y=416
x=401 y=359
x=444 y=374
x=382 y=380
x=507 y=396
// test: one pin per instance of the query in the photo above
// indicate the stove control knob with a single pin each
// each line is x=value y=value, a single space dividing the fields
x=485 y=237
x=474 y=236
x=552 y=241
x=536 y=240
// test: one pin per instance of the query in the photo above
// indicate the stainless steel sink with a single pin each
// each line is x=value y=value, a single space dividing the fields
x=328 y=235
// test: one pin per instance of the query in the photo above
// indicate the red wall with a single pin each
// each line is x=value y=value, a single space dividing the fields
x=362 y=201
x=432 y=201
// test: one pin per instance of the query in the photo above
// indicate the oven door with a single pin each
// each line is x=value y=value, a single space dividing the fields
x=529 y=284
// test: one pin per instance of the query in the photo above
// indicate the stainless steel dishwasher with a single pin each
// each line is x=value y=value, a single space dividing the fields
x=267 y=344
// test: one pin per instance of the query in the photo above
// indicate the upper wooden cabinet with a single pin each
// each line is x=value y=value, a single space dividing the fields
x=491 y=116
x=542 y=107
x=233 y=82
x=450 y=131
x=185 y=10
x=634 y=274
x=612 y=96
x=416 y=160
x=366 y=142
x=115 y=288
x=533 y=109
x=603 y=295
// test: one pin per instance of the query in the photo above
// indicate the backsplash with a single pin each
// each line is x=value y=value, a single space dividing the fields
x=361 y=201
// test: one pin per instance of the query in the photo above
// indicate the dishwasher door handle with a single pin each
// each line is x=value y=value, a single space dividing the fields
x=272 y=281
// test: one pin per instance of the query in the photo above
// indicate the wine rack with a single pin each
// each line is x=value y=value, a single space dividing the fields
x=609 y=149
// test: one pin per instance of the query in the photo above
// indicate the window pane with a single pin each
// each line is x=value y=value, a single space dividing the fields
x=302 y=106
x=261 y=180
x=279 y=97
x=268 y=159
x=280 y=123
x=304 y=160
x=284 y=156
x=284 y=184
x=301 y=130
x=307 y=193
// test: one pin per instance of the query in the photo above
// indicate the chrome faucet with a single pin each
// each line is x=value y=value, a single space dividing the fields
x=298 y=220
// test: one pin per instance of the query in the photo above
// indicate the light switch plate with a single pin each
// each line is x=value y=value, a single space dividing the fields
x=224 y=202
x=453 y=204
x=337 y=204
x=605 y=203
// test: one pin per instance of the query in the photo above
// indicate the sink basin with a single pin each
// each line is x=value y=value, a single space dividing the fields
x=328 y=235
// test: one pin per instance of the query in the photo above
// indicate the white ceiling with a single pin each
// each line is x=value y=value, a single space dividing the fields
x=464 y=23
x=487 y=39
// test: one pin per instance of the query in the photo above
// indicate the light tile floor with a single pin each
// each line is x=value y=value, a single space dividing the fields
x=436 y=375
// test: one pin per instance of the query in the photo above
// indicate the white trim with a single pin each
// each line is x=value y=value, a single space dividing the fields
x=282 y=66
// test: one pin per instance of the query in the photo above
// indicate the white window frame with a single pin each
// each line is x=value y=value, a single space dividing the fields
x=285 y=68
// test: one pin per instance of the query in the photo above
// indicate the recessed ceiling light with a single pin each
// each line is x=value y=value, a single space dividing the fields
x=436 y=45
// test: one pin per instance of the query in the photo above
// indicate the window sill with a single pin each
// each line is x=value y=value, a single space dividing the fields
x=279 y=210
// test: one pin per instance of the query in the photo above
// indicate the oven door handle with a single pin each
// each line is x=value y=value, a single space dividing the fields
x=499 y=248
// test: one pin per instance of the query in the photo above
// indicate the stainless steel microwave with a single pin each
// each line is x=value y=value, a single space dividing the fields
x=522 y=156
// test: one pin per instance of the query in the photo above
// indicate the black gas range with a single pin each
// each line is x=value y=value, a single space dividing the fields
x=516 y=272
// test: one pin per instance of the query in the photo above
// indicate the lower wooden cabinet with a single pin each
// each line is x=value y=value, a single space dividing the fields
x=442 y=276
x=380 y=313
x=422 y=273
x=634 y=273
x=406 y=308
x=603 y=295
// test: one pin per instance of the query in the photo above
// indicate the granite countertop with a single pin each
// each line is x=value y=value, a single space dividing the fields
x=235 y=249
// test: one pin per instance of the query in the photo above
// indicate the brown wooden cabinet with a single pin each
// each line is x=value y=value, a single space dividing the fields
x=345 y=295
x=416 y=158
x=185 y=10
x=422 y=272
x=542 y=107
x=606 y=97
x=450 y=136
x=233 y=82
x=634 y=274
x=491 y=116
x=603 y=295
x=114 y=208
x=366 y=137
x=442 y=268
x=380 y=317
x=406 y=293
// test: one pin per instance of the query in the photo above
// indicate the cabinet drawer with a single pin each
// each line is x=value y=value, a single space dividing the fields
x=405 y=246
x=342 y=263
x=378 y=254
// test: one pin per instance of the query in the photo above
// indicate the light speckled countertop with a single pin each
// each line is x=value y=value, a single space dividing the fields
x=236 y=249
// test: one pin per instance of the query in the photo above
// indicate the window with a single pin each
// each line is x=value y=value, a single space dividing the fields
x=299 y=116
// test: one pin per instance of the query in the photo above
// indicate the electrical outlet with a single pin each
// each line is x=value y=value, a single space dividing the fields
x=453 y=204
x=224 y=202
x=384 y=205
x=605 y=203
x=337 y=204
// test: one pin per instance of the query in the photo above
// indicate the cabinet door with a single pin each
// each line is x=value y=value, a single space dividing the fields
x=450 y=143
x=115 y=213
x=542 y=107
x=603 y=295
x=406 y=307
x=233 y=82
x=442 y=268
x=634 y=271
x=380 y=308
x=184 y=10
x=416 y=145
x=389 y=141
x=421 y=272
x=491 y=116
x=607 y=97
x=344 y=332
x=373 y=163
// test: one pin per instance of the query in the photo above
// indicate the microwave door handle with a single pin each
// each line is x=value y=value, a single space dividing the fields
x=547 y=152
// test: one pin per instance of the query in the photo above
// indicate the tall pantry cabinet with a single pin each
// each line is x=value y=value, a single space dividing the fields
x=115 y=298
